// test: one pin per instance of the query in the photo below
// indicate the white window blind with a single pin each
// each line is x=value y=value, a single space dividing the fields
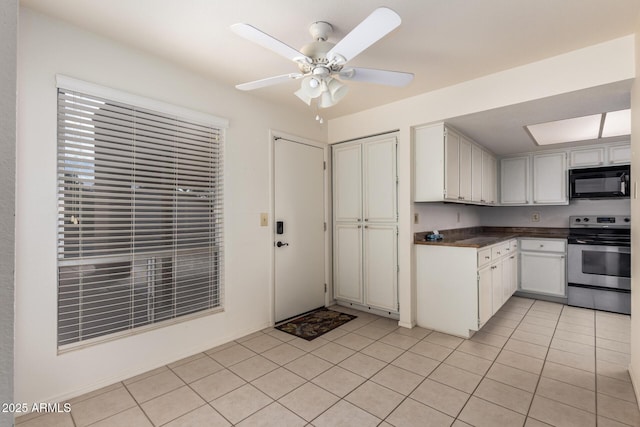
x=140 y=217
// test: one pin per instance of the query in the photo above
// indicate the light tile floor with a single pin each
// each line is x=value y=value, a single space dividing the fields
x=534 y=364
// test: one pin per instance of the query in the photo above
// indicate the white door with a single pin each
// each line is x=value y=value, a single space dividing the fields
x=347 y=262
x=299 y=204
x=381 y=266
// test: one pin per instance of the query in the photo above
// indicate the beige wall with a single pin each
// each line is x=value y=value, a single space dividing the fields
x=8 y=53
x=48 y=46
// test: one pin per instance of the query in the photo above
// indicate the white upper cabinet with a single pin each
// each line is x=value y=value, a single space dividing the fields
x=619 y=154
x=489 y=173
x=450 y=167
x=538 y=179
x=476 y=173
x=550 y=179
x=589 y=157
x=465 y=170
x=514 y=180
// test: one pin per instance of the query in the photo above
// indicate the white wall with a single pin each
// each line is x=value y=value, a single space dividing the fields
x=443 y=216
x=634 y=367
x=8 y=53
x=592 y=66
x=550 y=216
x=47 y=47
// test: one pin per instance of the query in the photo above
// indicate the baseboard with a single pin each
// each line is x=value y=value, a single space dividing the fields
x=410 y=325
x=636 y=386
x=360 y=307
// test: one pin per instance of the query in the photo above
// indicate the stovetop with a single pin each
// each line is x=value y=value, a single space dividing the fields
x=600 y=222
x=608 y=230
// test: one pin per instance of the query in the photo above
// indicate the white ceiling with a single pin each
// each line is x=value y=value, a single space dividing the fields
x=443 y=42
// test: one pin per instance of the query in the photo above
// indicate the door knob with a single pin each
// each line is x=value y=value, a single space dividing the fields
x=281 y=244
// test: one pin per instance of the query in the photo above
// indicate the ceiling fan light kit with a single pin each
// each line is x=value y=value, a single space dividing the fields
x=321 y=63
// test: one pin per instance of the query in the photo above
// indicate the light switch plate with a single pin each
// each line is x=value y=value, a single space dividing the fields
x=535 y=217
x=264 y=219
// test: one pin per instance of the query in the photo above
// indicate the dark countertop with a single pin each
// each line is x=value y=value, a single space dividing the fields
x=478 y=237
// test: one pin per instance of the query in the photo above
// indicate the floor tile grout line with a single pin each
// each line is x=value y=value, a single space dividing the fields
x=493 y=362
x=544 y=362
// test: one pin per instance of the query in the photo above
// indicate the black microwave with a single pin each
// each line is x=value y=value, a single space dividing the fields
x=610 y=182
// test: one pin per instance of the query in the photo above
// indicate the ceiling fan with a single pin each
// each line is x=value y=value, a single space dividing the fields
x=322 y=64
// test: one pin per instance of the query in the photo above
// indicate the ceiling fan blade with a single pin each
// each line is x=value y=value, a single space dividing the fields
x=269 y=81
x=253 y=34
x=377 y=25
x=370 y=75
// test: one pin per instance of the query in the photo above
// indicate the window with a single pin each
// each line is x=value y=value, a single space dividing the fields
x=140 y=216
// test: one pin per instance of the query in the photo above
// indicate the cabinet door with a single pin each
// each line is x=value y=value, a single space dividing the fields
x=514 y=273
x=347 y=262
x=347 y=182
x=476 y=173
x=586 y=157
x=509 y=276
x=464 y=168
x=488 y=178
x=514 y=181
x=619 y=154
x=485 y=295
x=496 y=287
x=543 y=273
x=550 y=178
x=380 y=181
x=452 y=165
x=381 y=266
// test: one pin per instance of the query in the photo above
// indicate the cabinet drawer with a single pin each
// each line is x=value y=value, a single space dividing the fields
x=543 y=245
x=499 y=250
x=484 y=257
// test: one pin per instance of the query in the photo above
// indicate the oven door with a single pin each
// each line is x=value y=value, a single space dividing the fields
x=602 y=266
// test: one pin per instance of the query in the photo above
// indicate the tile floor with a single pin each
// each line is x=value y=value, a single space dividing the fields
x=534 y=364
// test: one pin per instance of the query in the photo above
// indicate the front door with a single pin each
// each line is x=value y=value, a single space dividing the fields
x=299 y=235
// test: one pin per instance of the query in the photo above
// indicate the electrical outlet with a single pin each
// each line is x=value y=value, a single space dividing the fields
x=264 y=219
x=416 y=218
x=535 y=217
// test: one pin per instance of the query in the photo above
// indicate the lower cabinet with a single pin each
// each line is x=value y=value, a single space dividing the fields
x=459 y=289
x=543 y=266
x=366 y=265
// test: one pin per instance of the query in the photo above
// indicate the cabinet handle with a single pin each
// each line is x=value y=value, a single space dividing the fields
x=359 y=226
x=487 y=257
x=366 y=219
x=359 y=220
x=542 y=246
x=482 y=201
x=512 y=257
x=499 y=253
x=366 y=226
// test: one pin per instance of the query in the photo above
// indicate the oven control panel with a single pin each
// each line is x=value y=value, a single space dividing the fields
x=600 y=221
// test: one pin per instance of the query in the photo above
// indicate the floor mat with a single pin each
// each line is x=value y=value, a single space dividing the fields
x=314 y=324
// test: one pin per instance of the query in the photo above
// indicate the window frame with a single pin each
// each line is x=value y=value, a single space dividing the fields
x=220 y=125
